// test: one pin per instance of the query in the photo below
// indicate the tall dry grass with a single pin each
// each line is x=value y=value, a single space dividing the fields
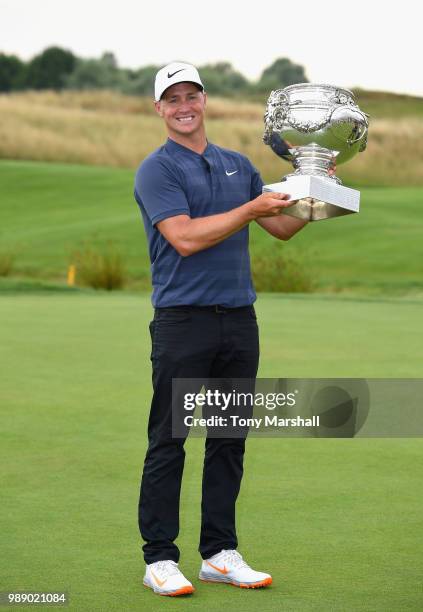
x=110 y=129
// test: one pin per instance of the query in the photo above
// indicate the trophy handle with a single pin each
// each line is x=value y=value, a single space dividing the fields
x=276 y=111
x=359 y=131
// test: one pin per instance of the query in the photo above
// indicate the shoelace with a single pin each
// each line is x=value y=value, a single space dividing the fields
x=166 y=568
x=234 y=558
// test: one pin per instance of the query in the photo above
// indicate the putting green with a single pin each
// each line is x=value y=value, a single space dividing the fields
x=336 y=522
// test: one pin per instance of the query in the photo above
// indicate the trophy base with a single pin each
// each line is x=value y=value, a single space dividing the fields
x=317 y=197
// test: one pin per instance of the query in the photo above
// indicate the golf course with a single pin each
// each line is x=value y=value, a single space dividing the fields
x=53 y=211
x=337 y=522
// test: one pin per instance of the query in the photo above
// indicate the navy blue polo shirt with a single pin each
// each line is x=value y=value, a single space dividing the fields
x=174 y=180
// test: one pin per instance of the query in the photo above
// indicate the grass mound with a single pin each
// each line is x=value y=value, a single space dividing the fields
x=49 y=211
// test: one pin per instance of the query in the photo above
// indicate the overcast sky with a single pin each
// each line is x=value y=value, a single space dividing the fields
x=344 y=42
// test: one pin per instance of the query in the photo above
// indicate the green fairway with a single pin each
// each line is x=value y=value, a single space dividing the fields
x=48 y=211
x=336 y=522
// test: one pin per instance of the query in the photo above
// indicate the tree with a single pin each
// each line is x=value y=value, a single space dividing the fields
x=49 y=69
x=141 y=81
x=100 y=73
x=110 y=60
x=12 y=71
x=222 y=79
x=280 y=74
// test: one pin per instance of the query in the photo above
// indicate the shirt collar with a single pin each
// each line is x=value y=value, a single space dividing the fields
x=175 y=147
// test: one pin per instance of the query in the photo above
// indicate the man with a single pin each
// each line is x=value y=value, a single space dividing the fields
x=197 y=201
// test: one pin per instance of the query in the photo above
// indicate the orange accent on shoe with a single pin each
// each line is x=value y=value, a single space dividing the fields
x=243 y=585
x=254 y=585
x=182 y=591
x=160 y=583
x=218 y=569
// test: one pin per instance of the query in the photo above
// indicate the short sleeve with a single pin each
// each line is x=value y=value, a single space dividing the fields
x=159 y=190
x=256 y=183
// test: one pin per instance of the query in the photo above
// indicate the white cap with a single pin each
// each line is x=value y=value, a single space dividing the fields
x=176 y=72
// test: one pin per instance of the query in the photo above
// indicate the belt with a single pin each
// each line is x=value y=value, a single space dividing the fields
x=218 y=308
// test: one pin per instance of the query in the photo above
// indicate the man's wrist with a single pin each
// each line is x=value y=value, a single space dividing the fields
x=248 y=210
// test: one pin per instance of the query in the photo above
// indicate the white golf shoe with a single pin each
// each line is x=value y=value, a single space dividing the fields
x=228 y=566
x=165 y=578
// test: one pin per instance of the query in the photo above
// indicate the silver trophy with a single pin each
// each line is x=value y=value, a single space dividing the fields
x=320 y=123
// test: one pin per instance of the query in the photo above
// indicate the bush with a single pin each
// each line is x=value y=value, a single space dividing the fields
x=284 y=272
x=7 y=261
x=100 y=268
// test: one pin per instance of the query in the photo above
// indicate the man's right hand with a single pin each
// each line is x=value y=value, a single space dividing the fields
x=270 y=204
x=190 y=235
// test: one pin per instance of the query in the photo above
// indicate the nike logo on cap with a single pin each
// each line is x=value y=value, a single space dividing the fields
x=169 y=76
x=230 y=173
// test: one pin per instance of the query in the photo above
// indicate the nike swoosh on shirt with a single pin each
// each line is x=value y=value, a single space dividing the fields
x=230 y=173
x=169 y=76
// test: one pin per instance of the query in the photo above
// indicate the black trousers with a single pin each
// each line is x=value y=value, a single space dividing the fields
x=193 y=342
